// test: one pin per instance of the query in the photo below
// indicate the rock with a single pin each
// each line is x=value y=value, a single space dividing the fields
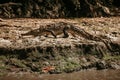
x=4 y=42
x=101 y=65
x=114 y=65
x=83 y=60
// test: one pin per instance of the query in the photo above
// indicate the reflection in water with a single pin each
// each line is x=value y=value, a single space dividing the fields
x=81 y=75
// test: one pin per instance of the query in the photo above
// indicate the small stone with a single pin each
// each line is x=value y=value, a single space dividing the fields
x=114 y=66
x=101 y=65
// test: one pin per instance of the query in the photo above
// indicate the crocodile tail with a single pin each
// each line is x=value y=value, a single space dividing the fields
x=107 y=43
x=89 y=36
x=28 y=33
x=82 y=32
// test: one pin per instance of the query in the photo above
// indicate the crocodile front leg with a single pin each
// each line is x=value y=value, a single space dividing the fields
x=66 y=35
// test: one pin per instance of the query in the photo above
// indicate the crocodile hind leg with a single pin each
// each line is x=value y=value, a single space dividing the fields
x=52 y=32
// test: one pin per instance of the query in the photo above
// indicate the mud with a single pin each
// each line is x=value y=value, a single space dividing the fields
x=81 y=75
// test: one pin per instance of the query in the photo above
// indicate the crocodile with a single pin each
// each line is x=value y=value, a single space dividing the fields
x=65 y=28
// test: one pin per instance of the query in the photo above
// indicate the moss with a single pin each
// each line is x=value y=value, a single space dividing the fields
x=17 y=63
x=107 y=57
x=2 y=65
x=68 y=64
x=3 y=58
x=3 y=74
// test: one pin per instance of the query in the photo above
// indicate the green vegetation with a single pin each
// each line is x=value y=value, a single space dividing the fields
x=108 y=57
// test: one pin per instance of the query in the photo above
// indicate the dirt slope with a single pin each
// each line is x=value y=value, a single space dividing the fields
x=59 y=8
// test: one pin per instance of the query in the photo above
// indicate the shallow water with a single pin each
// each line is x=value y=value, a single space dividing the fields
x=81 y=75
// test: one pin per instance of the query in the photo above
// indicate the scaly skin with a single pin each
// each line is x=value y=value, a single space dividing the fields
x=53 y=29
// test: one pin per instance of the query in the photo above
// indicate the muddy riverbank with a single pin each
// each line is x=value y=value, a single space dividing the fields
x=41 y=54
